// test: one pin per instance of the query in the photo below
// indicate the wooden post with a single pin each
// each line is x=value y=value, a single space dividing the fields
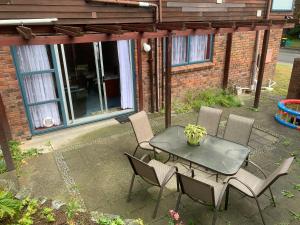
x=140 y=74
x=163 y=70
x=262 y=67
x=151 y=71
x=227 y=60
x=168 y=79
x=5 y=136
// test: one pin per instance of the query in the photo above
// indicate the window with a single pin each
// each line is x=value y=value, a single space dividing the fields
x=191 y=49
x=282 y=5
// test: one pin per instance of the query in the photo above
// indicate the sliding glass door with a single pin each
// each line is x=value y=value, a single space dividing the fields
x=97 y=79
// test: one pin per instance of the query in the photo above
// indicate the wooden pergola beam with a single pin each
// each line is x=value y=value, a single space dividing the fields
x=140 y=28
x=264 y=53
x=140 y=74
x=69 y=30
x=168 y=81
x=5 y=136
x=197 y=25
x=95 y=37
x=170 y=26
x=227 y=60
x=107 y=29
x=25 y=32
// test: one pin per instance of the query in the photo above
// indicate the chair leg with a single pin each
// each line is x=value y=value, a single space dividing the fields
x=215 y=217
x=259 y=209
x=178 y=202
x=247 y=159
x=131 y=186
x=272 y=196
x=227 y=198
x=137 y=147
x=158 y=201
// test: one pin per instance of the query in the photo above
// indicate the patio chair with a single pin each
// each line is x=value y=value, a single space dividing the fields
x=153 y=172
x=210 y=119
x=238 y=129
x=202 y=190
x=253 y=186
x=143 y=131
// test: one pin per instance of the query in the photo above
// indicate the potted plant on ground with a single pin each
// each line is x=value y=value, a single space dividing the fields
x=194 y=134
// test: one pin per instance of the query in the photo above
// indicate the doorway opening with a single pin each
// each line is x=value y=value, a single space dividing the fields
x=97 y=79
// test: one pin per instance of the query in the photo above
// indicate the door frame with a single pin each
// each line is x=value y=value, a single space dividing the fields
x=54 y=71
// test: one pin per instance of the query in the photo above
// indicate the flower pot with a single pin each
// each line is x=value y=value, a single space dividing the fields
x=195 y=142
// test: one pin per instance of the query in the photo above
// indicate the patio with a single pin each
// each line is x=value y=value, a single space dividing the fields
x=94 y=170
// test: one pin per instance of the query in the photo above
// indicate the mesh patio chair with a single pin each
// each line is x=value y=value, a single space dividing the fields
x=210 y=119
x=202 y=190
x=153 y=172
x=143 y=131
x=238 y=129
x=253 y=186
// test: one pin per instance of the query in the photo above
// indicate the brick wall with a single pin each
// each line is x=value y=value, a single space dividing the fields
x=210 y=75
x=184 y=78
x=294 y=87
x=11 y=96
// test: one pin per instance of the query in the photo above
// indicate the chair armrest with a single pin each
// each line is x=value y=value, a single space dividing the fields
x=258 y=168
x=235 y=178
x=144 y=142
x=168 y=176
x=146 y=158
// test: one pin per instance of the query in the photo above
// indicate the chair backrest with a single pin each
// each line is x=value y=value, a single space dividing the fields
x=210 y=119
x=238 y=129
x=280 y=171
x=143 y=169
x=196 y=189
x=141 y=126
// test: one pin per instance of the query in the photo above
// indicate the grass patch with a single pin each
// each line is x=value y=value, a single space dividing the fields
x=282 y=78
x=294 y=43
x=18 y=155
x=211 y=97
x=287 y=194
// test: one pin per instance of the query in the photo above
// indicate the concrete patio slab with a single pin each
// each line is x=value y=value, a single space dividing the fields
x=93 y=168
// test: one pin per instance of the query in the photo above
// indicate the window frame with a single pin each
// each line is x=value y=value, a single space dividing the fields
x=283 y=10
x=211 y=47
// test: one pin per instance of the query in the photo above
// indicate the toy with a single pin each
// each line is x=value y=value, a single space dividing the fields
x=288 y=113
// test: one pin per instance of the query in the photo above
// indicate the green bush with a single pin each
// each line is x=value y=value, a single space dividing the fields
x=210 y=97
x=17 y=155
x=9 y=206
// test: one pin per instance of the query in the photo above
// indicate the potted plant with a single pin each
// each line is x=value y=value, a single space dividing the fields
x=194 y=134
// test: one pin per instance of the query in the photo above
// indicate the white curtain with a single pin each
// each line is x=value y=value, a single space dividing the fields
x=198 y=48
x=179 y=50
x=126 y=81
x=38 y=87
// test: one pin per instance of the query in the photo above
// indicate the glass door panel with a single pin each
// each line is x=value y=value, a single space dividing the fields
x=81 y=80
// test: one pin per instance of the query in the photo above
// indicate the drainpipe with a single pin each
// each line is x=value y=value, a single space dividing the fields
x=28 y=21
x=130 y=3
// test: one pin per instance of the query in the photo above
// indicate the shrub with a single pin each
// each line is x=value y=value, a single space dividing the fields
x=212 y=97
x=9 y=206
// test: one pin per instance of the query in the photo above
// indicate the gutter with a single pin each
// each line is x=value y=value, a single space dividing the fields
x=131 y=3
x=27 y=21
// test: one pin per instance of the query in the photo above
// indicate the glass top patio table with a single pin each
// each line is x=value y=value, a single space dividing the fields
x=213 y=153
